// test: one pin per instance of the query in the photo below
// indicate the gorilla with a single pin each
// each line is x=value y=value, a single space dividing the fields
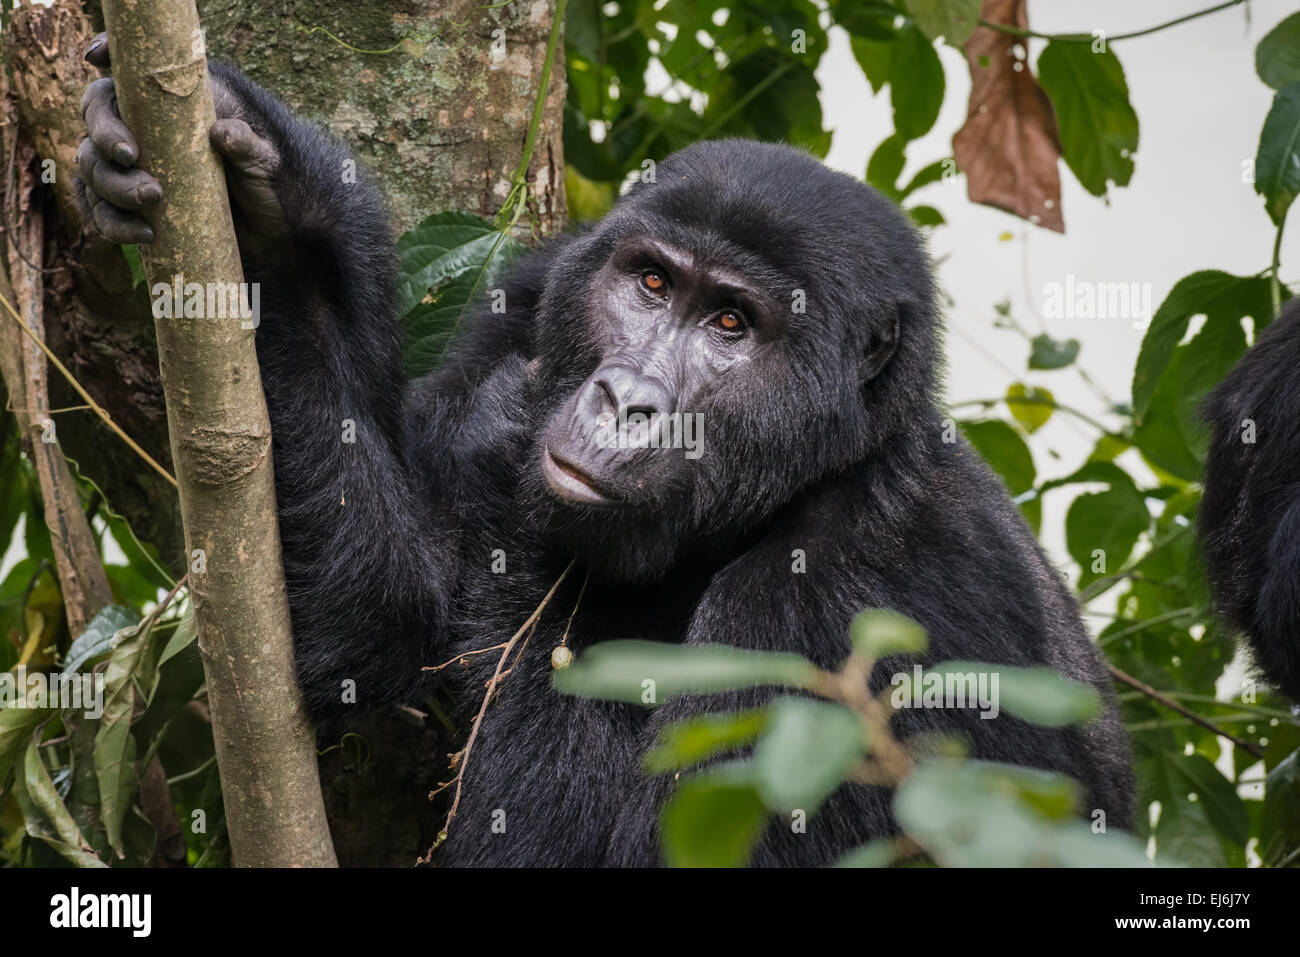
x=1250 y=511
x=787 y=309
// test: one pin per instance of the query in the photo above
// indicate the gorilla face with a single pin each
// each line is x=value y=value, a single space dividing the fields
x=672 y=330
x=726 y=337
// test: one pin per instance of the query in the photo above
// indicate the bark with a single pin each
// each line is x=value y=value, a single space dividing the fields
x=82 y=581
x=437 y=123
x=221 y=449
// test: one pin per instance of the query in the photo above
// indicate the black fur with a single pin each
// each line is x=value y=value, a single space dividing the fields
x=1250 y=512
x=388 y=542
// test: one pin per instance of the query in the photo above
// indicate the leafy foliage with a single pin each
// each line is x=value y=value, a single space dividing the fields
x=955 y=813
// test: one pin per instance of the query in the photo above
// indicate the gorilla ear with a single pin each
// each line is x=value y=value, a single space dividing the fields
x=880 y=347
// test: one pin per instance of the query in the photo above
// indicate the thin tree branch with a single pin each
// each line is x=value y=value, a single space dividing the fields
x=72 y=381
x=1087 y=37
x=1248 y=746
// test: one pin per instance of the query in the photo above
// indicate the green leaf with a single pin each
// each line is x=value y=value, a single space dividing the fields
x=114 y=746
x=131 y=253
x=45 y=814
x=1090 y=471
x=446 y=263
x=713 y=820
x=933 y=173
x=1216 y=794
x=1193 y=831
x=873 y=19
x=181 y=638
x=1049 y=353
x=875 y=57
x=878 y=853
x=1171 y=433
x=16 y=726
x=1109 y=521
x=953 y=20
x=878 y=632
x=886 y=165
x=1219 y=296
x=1005 y=451
x=1097 y=125
x=977 y=814
x=1277 y=164
x=1038 y=695
x=1033 y=414
x=1108 y=447
x=695 y=740
x=1280 y=826
x=925 y=215
x=805 y=753
x=649 y=672
x=1183 y=836
x=1277 y=57
x=1161 y=436
x=99 y=637
x=443 y=246
x=916 y=83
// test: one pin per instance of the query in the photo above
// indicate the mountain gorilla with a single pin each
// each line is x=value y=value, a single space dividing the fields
x=1250 y=513
x=789 y=307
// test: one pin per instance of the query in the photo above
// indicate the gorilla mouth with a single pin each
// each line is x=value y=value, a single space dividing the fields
x=571 y=483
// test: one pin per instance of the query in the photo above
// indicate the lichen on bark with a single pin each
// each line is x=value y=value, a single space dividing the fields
x=439 y=117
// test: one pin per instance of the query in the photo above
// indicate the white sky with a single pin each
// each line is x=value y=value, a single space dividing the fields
x=1200 y=106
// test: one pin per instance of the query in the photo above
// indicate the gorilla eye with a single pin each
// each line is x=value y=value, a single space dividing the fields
x=730 y=320
x=654 y=280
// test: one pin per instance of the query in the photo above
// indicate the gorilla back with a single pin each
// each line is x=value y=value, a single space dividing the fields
x=1250 y=513
x=785 y=311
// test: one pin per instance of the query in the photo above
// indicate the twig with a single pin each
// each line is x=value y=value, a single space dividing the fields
x=98 y=409
x=487 y=698
x=1248 y=746
x=1085 y=37
x=1146 y=623
x=1039 y=400
x=462 y=656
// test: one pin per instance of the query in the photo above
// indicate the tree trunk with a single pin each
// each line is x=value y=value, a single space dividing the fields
x=417 y=90
x=221 y=446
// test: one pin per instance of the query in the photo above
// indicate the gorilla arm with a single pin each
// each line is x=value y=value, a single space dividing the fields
x=368 y=589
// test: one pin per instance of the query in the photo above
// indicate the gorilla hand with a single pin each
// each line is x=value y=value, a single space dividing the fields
x=113 y=192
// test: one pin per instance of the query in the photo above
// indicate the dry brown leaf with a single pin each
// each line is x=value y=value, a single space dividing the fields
x=1008 y=146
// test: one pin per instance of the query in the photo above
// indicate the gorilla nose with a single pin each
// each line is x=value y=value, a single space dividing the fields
x=625 y=392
